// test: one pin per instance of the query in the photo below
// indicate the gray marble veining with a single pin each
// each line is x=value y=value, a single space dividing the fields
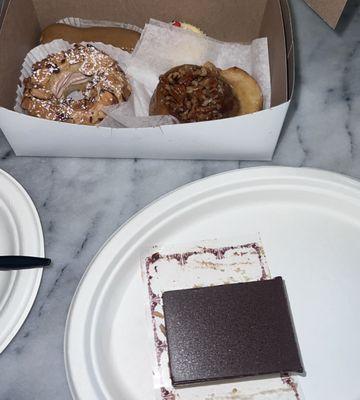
x=82 y=201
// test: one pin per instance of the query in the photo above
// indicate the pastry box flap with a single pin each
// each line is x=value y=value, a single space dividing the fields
x=289 y=44
x=329 y=10
x=19 y=32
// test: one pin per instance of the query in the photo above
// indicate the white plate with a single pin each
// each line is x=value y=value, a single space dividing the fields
x=309 y=222
x=20 y=233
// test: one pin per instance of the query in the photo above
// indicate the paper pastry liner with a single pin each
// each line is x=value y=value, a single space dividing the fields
x=207 y=263
x=90 y=23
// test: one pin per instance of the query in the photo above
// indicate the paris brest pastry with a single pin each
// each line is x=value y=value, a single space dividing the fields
x=125 y=39
x=95 y=77
x=193 y=93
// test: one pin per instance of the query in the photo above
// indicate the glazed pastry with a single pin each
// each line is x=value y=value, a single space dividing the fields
x=125 y=39
x=96 y=76
x=193 y=93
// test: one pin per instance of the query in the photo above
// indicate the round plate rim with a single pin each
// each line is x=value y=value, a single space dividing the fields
x=239 y=174
x=38 y=272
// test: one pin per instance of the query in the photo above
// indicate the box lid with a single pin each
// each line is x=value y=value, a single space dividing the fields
x=329 y=10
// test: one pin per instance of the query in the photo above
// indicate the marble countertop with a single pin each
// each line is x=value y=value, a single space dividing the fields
x=82 y=201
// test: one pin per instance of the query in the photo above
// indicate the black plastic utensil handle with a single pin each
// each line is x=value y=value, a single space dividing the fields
x=22 y=262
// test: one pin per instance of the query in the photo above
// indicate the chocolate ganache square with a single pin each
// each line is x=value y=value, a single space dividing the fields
x=230 y=331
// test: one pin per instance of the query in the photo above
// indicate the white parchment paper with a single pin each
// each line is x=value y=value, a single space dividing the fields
x=163 y=46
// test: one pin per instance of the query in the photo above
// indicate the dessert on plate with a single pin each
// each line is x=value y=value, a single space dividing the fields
x=229 y=331
x=216 y=317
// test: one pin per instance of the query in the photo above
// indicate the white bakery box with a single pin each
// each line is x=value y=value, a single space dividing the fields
x=249 y=137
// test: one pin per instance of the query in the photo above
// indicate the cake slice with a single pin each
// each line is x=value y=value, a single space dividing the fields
x=230 y=331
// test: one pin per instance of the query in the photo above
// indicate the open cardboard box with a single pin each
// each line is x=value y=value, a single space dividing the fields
x=248 y=137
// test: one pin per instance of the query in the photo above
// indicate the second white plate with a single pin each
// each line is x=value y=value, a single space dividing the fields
x=309 y=221
x=20 y=234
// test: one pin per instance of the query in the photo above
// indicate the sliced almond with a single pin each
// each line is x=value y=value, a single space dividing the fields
x=41 y=94
x=158 y=314
x=26 y=103
x=162 y=328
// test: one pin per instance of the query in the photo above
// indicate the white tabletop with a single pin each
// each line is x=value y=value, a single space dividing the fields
x=82 y=201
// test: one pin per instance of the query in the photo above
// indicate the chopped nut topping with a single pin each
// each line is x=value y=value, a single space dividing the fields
x=196 y=93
